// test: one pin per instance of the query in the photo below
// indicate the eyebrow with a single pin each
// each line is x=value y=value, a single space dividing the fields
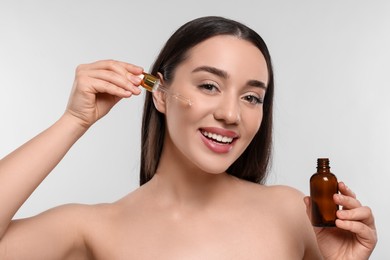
x=223 y=74
x=257 y=83
x=212 y=70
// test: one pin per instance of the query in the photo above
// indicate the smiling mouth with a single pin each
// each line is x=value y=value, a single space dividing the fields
x=217 y=138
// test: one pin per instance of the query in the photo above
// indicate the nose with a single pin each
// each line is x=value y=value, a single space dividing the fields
x=228 y=110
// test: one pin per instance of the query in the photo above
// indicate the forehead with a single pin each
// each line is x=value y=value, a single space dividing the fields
x=231 y=54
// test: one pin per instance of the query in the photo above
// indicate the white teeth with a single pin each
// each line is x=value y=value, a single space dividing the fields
x=219 y=138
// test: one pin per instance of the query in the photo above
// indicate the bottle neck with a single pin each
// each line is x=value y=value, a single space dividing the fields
x=323 y=165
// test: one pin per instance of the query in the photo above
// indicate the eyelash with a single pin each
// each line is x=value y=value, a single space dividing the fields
x=208 y=87
x=252 y=99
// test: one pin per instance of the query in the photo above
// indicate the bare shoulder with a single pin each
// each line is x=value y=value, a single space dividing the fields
x=61 y=227
x=286 y=201
x=288 y=198
x=285 y=192
x=75 y=215
x=294 y=213
x=280 y=194
x=282 y=203
x=279 y=211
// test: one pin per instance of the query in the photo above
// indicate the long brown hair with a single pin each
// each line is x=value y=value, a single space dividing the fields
x=253 y=164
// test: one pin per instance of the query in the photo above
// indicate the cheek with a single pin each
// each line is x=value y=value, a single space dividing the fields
x=201 y=106
x=252 y=122
x=181 y=117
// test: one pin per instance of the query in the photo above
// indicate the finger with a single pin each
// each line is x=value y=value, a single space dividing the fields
x=363 y=214
x=130 y=71
x=366 y=235
x=344 y=189
x=114 y=78
x=120 y=67
x=346 y=202
x=134 y=69
x=307 y=201
x=101 y=86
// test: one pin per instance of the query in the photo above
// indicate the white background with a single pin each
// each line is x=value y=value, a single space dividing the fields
x=331 y=62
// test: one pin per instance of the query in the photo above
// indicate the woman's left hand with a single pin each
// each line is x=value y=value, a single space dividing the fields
x=354 y=236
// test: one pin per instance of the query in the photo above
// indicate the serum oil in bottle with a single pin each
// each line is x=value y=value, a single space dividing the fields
x=323 y=185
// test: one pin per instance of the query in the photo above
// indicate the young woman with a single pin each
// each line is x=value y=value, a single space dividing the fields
x=203 y=166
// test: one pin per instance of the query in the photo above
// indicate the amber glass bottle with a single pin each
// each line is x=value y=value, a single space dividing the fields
x=323 y=184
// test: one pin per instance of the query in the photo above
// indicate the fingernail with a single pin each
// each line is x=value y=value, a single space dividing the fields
x=339 y=197
x=134 y=79
x=136 y=90
x=341 y=213
x=349 y=190
x=137 y=80
x=131 y=87
x=128 y=93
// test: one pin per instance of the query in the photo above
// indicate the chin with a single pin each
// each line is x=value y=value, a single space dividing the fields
x=213 y=170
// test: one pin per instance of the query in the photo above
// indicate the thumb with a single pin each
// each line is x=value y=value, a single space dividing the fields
x=307 y=201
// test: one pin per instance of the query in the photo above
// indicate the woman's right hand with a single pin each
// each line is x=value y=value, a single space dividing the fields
x=99 y=86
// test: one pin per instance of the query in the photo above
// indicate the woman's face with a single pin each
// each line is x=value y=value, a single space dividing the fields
x=225 y=78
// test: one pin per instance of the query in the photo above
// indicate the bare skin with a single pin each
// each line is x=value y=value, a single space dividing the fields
x=149 y=225
x=200 y=231
x=184 y=212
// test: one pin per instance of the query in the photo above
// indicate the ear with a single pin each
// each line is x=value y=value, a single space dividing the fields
x=159 y=97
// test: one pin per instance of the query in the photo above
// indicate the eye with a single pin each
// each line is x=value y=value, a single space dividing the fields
x=252 y=99
x=208 y=87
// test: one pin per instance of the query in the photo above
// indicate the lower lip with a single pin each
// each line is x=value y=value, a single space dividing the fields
x=216 y=147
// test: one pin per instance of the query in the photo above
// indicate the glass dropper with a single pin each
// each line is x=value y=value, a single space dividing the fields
x=152 y=84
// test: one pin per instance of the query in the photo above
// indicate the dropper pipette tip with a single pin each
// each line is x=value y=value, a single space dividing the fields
x=177 y=96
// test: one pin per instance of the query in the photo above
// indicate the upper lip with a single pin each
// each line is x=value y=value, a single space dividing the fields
x=221 y=131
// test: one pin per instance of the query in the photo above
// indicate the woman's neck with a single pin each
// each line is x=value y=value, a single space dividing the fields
x=180 y=182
